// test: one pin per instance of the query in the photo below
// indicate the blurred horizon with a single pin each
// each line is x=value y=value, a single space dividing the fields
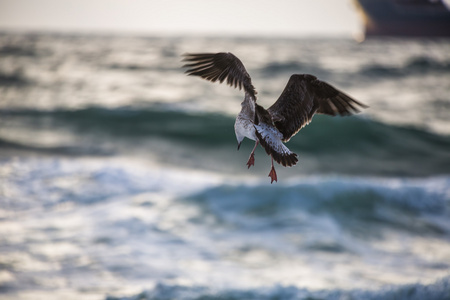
x=249 y=18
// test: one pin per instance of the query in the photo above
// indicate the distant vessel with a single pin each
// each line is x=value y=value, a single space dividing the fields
x=414 y=18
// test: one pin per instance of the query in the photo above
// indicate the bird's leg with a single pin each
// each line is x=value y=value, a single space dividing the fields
x=272 y=174
x=251 y=159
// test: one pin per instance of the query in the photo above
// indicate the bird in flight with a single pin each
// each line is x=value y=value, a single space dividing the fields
x=303 y=96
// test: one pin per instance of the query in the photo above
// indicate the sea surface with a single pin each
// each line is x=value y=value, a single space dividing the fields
x=120 y=177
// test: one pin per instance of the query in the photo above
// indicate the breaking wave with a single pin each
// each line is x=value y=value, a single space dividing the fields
x=439 y=290
x=350 y=145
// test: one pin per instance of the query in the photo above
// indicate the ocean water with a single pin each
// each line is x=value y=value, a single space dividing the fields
x=120 y=178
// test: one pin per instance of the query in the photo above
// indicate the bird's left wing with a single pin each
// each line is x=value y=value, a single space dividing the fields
x=220 y=66
x=305 y=95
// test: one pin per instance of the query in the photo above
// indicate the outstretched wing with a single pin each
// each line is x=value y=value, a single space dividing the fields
x=305 y=95
x=219 y=66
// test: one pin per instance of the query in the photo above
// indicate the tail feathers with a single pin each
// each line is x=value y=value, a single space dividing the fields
x=288 y=160
x=275 y=147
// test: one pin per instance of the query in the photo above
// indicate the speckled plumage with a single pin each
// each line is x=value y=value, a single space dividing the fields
x=303 y=96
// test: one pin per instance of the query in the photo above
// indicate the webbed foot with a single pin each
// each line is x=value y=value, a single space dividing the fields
x=251 y=160
x=273 y=175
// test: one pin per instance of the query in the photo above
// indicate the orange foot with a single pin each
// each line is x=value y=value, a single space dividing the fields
x=251 y=161
x=273 y=175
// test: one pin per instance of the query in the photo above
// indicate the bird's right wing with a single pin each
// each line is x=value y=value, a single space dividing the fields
x=304 y=96
x=219 y=66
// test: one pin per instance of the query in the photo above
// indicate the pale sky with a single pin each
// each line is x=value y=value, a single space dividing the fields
x=179 y=17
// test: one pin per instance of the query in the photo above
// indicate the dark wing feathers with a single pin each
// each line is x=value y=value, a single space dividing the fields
x=294 y=108
x=305 y=95
x=220 y=66
x=329 y=97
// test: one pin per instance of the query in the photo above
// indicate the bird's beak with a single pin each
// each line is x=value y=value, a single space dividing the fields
x=239 y=145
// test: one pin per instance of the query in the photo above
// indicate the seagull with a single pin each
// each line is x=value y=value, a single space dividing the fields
x=303 y=97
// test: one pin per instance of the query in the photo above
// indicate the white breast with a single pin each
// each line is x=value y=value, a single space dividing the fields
x=244 y=128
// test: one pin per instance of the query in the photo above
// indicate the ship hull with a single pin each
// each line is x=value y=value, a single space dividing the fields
x=403 y=18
